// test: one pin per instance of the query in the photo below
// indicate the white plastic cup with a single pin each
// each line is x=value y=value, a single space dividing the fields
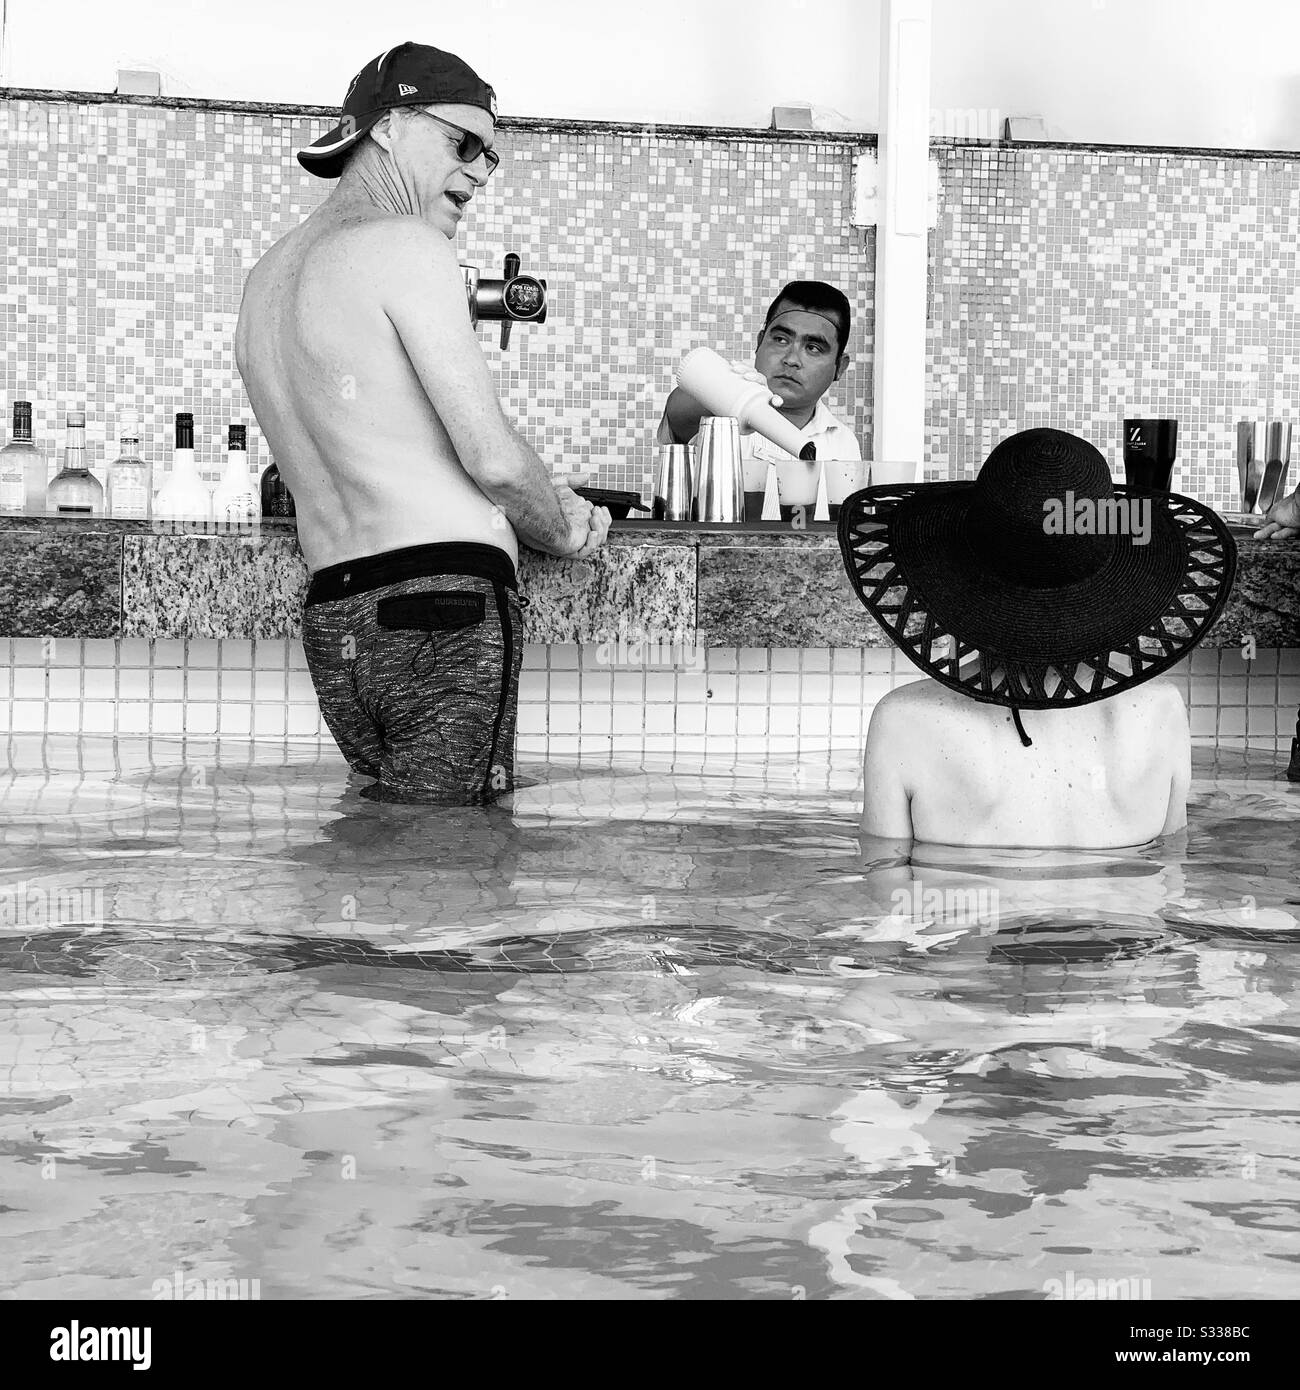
x=796 y=482
x=755 y=473
x=884 y=472
x=843 y=478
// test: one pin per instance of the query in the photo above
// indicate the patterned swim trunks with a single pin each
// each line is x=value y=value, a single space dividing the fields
x=415 y=657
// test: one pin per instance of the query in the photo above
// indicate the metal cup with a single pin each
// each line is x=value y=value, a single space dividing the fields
x=719 y=492
x=1263 y=456
x=1251 y=450
x=1277 y=460
x=674 y=478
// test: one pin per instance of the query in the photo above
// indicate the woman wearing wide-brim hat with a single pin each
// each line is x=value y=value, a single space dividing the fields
x=1042 y=600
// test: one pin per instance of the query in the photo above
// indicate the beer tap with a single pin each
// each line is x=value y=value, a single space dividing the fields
x=513 y=299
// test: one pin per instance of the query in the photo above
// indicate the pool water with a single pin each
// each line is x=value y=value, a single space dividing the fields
x=649 y=1033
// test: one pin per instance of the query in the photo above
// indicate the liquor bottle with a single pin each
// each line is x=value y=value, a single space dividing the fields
x=21 y=463
x=234 y=500
x=128 y=474
x=75 y=491
x=184 y=496
x=277 y=500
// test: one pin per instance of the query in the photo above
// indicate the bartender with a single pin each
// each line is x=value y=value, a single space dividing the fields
x=800 y=353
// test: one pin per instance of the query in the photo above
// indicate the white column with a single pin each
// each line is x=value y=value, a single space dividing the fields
x=901 y=243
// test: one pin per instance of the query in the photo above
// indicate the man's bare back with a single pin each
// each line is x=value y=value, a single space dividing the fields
x=943 y=768
x=366 y=376
x=368 y=460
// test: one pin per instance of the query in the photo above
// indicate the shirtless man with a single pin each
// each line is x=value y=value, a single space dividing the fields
x=355 y=346
x=1034 y=606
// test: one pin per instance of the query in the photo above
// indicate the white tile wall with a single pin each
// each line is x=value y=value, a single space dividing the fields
x=722 y=702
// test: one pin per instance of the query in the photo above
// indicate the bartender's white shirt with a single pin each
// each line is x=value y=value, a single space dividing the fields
x=833 y=438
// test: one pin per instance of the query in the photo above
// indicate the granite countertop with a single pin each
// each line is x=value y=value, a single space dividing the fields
x=754 y=585
x=632 y=531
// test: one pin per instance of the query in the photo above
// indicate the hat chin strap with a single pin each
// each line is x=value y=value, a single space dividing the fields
x=1025 y=740
x=1020 y=728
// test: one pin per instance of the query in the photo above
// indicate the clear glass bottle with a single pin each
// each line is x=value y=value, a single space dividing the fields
x=234 y=501
x=128 y=474
x=277 y=500
x=20 y=462
x=184 y=496
x=75 y=491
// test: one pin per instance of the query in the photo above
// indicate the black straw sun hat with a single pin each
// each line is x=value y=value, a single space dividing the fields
x=1042 y=584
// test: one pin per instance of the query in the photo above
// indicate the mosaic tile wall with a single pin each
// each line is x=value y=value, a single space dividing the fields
x=1075 y=287
x=130 y=228
x=1069 y=286
x=736 y=703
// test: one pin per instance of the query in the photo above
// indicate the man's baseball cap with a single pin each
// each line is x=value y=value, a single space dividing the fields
x=412 y=74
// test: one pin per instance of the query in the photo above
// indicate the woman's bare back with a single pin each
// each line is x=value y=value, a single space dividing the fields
x=1103 y=775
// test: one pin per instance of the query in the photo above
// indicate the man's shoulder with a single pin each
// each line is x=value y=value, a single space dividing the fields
x=277 y=255
x=391 y=261
x=386 y=244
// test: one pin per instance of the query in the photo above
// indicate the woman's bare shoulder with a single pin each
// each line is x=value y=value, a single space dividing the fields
x=920 y=692
x=925 y=715
x=1162 y=696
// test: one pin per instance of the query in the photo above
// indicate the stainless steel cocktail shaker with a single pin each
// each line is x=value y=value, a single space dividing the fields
x=719 y=491
x=674 y=482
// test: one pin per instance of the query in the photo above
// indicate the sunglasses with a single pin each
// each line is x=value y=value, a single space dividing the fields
x=469 y=146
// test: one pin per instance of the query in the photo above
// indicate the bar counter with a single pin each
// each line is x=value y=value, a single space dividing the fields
x=764 y=585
